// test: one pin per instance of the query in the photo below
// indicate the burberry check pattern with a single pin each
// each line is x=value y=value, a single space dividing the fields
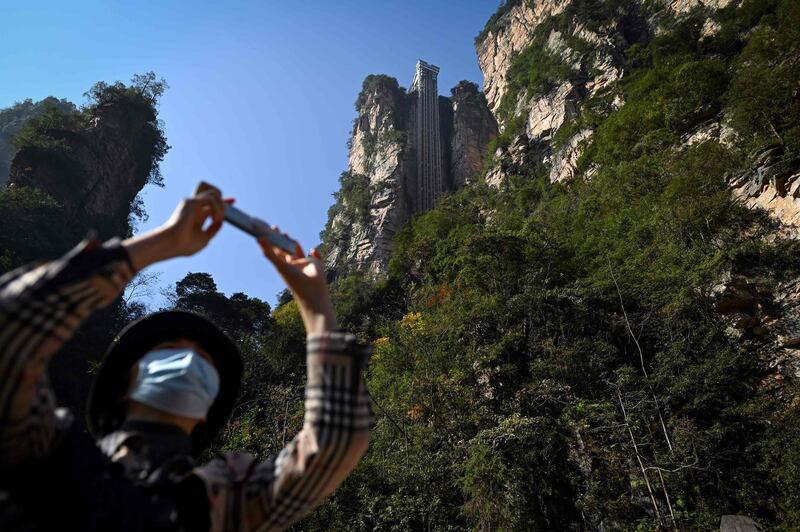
x=274 y=494
x=42 y=306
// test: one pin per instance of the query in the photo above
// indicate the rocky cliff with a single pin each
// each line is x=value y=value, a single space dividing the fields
x=508 y=33
x=377 y=193
x=95 y=161
x=579 y=59
x=76 y=170
x=474 y=128
x=517 y=24
x=554 y=71
x=373 y=200
x=541 y=60
x=587 y=91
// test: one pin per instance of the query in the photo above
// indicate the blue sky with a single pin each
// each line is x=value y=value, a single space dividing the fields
x=260 y=100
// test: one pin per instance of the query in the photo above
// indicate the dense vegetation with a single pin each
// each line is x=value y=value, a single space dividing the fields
x=549 y=357
x=374 y=83
x=14 y=118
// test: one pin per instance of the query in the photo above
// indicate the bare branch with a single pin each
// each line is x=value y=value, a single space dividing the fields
x=141 y=286
x=641 y=359
x=639 y=457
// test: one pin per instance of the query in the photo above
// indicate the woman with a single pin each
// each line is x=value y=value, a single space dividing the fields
x=166 y=387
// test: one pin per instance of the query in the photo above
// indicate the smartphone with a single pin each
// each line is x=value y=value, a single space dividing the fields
x=258 y=228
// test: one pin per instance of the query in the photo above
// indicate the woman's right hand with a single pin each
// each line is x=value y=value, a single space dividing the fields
x=305 y=277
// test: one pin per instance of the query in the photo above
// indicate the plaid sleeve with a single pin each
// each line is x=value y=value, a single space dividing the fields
x=41 y=306
x=245 y=495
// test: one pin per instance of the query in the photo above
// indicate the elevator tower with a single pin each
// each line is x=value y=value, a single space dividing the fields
x=430 y=171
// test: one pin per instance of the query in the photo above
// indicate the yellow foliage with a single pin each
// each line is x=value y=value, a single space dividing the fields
x=380 y=342
x=412 y=320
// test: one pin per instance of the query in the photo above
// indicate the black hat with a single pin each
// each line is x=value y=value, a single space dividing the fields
x=106 y=408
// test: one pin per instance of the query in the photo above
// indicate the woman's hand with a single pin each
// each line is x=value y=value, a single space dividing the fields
x=185 y=228
x=195 y=221
x=305 y=277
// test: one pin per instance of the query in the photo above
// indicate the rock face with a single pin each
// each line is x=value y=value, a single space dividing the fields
x=510 y=34
x=684 y=6
x=591 y=60
x=773 y=184
x=362 y=235
x=473 y=128
x=772 y=181
x=513 y=31
x=109 y=162
x=564 y=162
x=549 y=112
x=738 y=523
x=378 y=194
x=594 y=54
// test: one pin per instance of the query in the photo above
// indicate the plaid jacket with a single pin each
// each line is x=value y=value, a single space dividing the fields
x=41 y=306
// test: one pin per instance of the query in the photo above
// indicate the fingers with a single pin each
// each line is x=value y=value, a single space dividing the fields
x=297 y=252
x=202 y=186
x=298 y=249
x=279 y=258
x=275 y=253
x=210 y=193
x=317 y=257
x=272 y=251
x=211 y=202
x=266 y=247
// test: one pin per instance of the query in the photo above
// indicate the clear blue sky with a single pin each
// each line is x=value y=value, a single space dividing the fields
x=260 y=100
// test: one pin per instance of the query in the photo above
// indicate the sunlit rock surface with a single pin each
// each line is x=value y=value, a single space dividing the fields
x=382 y=151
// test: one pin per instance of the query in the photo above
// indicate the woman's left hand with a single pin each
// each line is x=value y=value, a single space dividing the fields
x=195 y=221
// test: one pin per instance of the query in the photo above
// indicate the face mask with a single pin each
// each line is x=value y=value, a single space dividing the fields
x=177 y=381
